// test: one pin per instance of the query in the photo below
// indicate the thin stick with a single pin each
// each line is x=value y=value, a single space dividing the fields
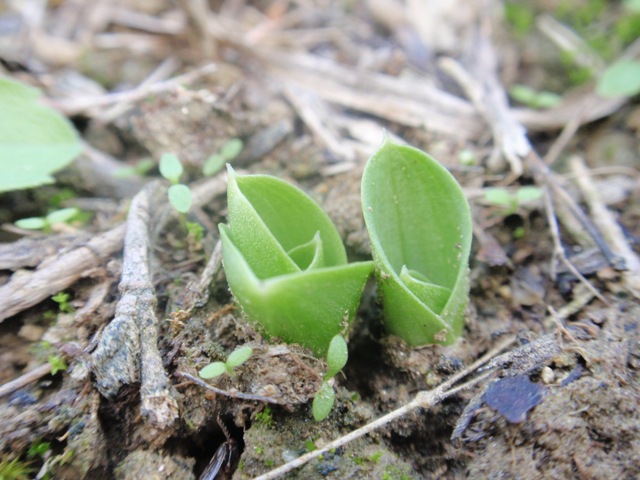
x=226 y=393
x=558 y=251
x=25 y=379
x=74 y=106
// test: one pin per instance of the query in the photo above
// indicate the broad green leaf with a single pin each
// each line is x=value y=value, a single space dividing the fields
x=239 y=356
x=35 y=141
x=622 y=79
x=337 y=356
x=180 y=197
x=323 y=402
x=285 y=262
x=420 y=228
x=213 y=370
x=171 y=168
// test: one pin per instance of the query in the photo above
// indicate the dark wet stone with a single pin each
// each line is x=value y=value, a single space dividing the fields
x=513 y=397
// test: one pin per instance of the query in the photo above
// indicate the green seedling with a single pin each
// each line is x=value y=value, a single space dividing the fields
x=63 y=301
x=337 y=355
x=235 y=359
x=622 y=79
x=179 y=194
x=139 y=169
x=57 y=363
x=47 y=223
x=227 y=153
x=533 y=98
x=35 y=140
x=285 y=263
x=419 y=223
x=512 y=202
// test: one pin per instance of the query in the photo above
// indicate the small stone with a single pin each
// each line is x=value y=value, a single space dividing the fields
x=513 y=397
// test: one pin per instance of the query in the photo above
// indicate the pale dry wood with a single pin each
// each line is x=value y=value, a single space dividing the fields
x=128 y=349
x=25 y=379
x=26 y=289
x=481 y=84
x=608 y=225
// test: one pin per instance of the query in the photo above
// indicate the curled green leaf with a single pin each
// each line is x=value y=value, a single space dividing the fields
x=285 y=262
x=420 y=228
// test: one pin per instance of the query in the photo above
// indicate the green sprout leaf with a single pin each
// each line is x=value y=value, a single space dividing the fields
x=171 y=168
x=35 y=141
x=213 y=164
x=285 y=262
x=61 y=216
x=31 y=223
x=337 y=356
x=213 y=370
x=420 y=228
x=323 y=402
x=231 y=149
x=239 y=356
x=528 y=194
x=180 y=197
x=622 y=79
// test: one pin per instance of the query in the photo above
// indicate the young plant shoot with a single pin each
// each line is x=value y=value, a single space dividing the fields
x=235 y=359
x=285 y=262
x=420 y=228
x=337 y=356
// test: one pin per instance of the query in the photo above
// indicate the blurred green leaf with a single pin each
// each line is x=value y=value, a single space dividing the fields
x=35 y=141
x=171 y=168
x=180 y=197
x=622 y=79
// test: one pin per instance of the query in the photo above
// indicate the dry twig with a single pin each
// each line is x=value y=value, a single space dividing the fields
x=128 y=349
x=26 y=289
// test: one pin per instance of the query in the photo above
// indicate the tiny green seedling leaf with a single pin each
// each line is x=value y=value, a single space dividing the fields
x=180 y=197
x=622 y=79
x=171 y=168
x=213 y=370
x=31 y=223
x=231 y=149
x=228 y=152
x=337 y=356
x=323 y=402
x=61 y=216
x=534 y=98
x=528 y=194
x=239 y=356
x=235 y=359
x=35 y=141
x=285 y=262
x=419 y=223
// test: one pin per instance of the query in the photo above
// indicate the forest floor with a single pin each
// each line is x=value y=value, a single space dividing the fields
x=310 y=87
